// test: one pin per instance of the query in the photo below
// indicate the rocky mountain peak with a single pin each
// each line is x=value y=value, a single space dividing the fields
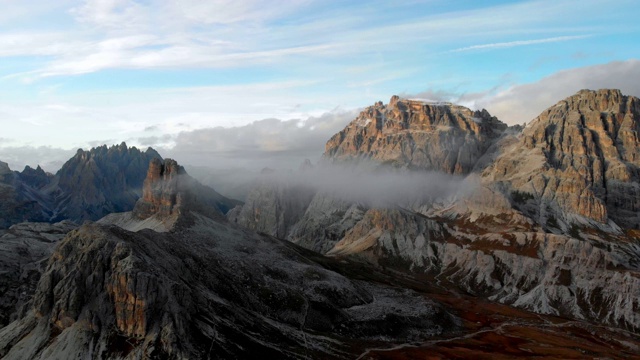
x=417 y=134
x=102 y=180
x=582 y=156
x=163 y=191
x=393 y=101
x=36 y=178
x=6 y=175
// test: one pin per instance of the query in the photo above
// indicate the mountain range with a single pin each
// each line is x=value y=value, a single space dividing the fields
x=549 y=225
x=90 y=185
x=427 y=229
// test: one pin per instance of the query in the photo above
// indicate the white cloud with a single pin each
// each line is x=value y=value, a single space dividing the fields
x=266 y=143
x=128 y=34
x=231 y=11
x=129 y=114
x=38 y=43
x=119 y=15
x=503 y=45
x=522 y=103
x=218 y=131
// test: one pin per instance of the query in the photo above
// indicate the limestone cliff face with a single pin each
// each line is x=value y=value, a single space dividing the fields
x=162 y=191
x=406 y=134
x=272 y=207
x=99 y=182
x=418 y=135
x=36 y=178
x=578 y=160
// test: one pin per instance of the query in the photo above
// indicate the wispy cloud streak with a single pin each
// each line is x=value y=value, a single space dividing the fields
x=510 y=44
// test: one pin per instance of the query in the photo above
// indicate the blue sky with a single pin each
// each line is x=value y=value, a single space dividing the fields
x=80 y=73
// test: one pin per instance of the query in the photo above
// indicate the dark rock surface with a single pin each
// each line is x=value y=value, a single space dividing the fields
x=89 y=186
x=95 y=183
x=24 y=251
x=36 y=178
x=19 y=201
x=101 y=181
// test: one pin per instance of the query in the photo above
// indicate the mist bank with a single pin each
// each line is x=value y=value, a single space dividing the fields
x=375 y=187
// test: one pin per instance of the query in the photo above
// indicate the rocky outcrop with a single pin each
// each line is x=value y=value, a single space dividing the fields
x=417 y=135
x=577 y=163
x=169 y=191
x=99 y=182
x=161 y=192
x=168 y=188
x=24 y=251
x=325 y=221
x=406 y=134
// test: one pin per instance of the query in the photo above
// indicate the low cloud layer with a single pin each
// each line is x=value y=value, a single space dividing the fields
x=376 y=187
x=49 y=158
x=266 y=143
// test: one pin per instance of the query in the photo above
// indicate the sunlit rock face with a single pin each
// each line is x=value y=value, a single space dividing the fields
x=578 y=160
x=405 y=134
x=417 y=135
x=161 y=189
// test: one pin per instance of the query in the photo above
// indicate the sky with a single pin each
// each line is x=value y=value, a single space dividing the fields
x=265 y=83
